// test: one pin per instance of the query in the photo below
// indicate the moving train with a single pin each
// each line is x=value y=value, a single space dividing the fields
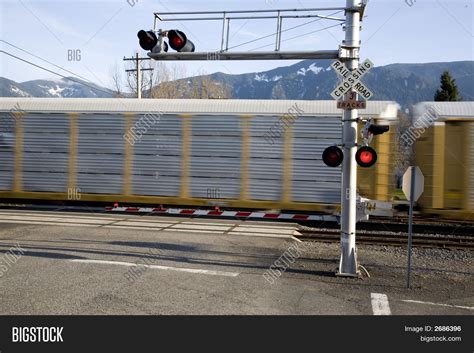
x=444 y=151
x=239 y=154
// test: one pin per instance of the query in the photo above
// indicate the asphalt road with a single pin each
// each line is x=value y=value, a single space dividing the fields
x=68 y=263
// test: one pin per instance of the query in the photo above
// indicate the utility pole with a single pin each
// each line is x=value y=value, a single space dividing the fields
x=138 y=69
x=348 y=262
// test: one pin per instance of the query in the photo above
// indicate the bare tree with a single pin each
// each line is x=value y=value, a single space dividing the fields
x=117 y=82
x=169 y=81
x=204 y=87
x=212 y=89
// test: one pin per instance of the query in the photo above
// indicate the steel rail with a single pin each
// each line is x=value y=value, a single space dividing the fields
x=393 y=240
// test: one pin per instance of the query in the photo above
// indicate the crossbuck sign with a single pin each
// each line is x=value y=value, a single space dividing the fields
x=352 y=80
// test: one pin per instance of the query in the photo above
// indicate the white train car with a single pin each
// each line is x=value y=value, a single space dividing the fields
x=258 y=154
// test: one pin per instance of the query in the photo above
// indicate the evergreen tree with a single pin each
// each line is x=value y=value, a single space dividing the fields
x=449 y=91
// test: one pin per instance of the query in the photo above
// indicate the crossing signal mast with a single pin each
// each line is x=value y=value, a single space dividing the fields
x=346 y=56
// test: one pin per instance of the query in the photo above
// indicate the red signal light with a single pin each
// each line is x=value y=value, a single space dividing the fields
x=179 y=41
x=366 y=157
x=333 y=156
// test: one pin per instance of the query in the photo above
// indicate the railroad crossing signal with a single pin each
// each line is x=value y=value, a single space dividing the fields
x=352 y=80
x=147 y=39
x=365 y=156
x=333 y=156
x=178 y=41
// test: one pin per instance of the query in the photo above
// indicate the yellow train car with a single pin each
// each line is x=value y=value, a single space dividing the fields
x=379 y=181
x=256 y=154
x=444 y=151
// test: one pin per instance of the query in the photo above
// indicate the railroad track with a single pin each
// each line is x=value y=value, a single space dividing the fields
x=453 y=228
x=426 y=225
x=378 y=238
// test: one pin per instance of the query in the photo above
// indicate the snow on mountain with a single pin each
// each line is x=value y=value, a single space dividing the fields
x=18 y=92
x=53 y=91
x=313 y=68
x=263 y=78
x=70 y=88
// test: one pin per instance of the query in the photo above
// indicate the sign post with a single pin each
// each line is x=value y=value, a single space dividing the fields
x=413 y=185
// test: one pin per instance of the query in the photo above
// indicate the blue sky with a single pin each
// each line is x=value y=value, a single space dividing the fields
x=105 y=32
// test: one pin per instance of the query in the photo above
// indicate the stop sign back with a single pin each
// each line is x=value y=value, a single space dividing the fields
x=413 y=172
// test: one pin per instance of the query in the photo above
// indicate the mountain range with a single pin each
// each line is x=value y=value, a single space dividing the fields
x=63 y=88
x=406 y=84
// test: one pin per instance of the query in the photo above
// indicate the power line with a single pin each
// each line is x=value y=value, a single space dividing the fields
x=38 y=57
x=285 y=30
x=39 y=20
x=180 y=22
x=299 y=36
x=55 y=73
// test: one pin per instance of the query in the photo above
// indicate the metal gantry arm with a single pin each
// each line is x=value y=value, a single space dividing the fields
x=227 y=16
x=321 y=54
x=243 y=11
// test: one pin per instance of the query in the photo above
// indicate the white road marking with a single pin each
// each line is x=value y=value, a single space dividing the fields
x=380 y=304
x=49 y=223
x=81 y=221
x=210 y=224
x=147 y=220
x=193 y=231
x=158 y=267
x=143 y=224
x=272 y=230
x=264 y=235
x=63 y=215
x=267 y=225
x=439 y=304
x=135 y=228
x=201 y=227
